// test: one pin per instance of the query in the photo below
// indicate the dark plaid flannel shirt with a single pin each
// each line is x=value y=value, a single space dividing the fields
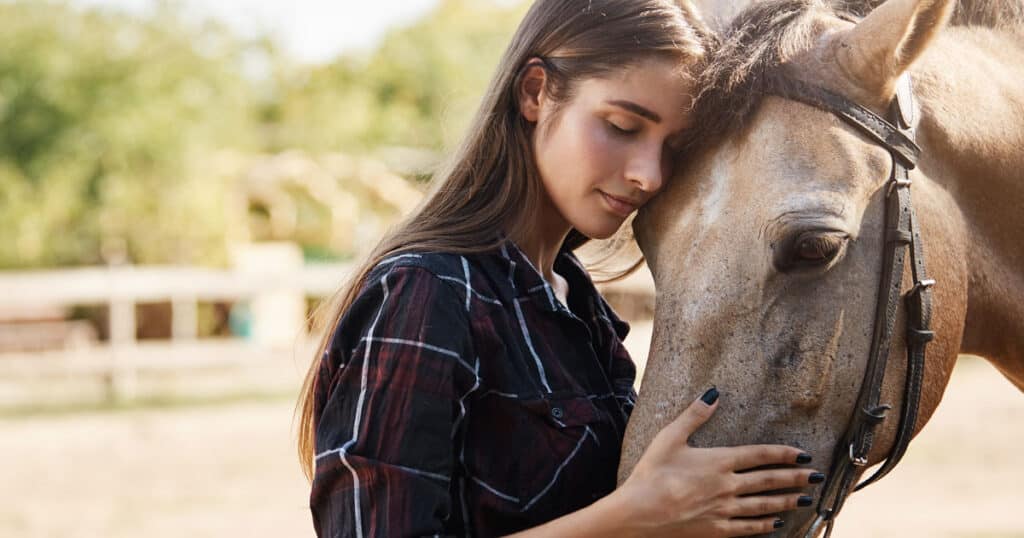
x=460 y=397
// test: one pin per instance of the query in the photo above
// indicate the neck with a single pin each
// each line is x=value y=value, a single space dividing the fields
x=541 y=239
x=972 y=133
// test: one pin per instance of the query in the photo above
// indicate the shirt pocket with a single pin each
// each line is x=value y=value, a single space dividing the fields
x=564 y=413
x=531 y=452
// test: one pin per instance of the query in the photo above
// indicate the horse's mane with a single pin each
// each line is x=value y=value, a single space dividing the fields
x=747 y=60
x=744 y=63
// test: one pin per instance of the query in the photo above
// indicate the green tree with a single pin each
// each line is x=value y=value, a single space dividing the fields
x=110 y=123
x=419 y=88
x=105 y=120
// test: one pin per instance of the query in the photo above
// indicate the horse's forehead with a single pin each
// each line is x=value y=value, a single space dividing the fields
x=791 y=158
x=791 y=148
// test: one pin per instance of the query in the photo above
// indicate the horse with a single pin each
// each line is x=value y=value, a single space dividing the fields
x=767 y=245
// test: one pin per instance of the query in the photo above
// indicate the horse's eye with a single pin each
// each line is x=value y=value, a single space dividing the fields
x=818 y=248
x=812 y=249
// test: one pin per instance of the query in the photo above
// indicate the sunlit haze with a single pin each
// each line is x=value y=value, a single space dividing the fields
x=312 y=31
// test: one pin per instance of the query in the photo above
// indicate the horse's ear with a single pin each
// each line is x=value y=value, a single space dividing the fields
x=882 y=47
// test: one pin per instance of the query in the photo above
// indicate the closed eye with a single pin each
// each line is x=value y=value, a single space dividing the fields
x=620 y=130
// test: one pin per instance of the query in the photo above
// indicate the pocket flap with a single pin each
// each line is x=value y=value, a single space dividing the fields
x=565 y=412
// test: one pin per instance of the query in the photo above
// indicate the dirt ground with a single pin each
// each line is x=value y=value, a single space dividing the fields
x=230 y=470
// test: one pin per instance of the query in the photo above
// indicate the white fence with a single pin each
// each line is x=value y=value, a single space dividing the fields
x=272 y=279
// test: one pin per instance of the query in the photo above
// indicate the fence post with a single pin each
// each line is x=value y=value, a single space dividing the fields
x=278 y=307
x=184 y=318
x=122 y=381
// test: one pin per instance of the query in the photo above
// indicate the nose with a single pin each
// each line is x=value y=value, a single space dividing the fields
x=646 y=170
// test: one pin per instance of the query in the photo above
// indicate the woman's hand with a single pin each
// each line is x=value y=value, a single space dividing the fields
x=678 y=490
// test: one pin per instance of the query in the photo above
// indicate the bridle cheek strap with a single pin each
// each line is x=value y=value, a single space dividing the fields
x=901 y=231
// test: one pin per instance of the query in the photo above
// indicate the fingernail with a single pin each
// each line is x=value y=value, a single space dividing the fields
x=779 y=524
x=710 y=397
x=803 y=458
x=816 y=478
x=805 y=500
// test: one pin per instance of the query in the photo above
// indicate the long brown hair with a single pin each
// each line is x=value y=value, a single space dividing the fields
x=491 y=185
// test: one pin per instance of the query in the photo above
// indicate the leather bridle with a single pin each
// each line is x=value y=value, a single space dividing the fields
x=902 y=233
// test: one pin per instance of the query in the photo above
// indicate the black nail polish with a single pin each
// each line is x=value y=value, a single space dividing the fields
x=779 y=524
x=711 y=396
x=805 y=500
x=803 y=458
x=816 y=478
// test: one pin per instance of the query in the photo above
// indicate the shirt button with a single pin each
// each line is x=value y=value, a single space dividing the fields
x=557 y=412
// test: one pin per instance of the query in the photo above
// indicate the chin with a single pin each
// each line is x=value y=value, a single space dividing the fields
x=599 y=231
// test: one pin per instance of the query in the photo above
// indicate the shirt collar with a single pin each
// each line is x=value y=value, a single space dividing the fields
x=522 y=282
x=527 y=282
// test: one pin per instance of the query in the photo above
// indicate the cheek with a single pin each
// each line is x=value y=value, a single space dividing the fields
x=599 y=152
x=579 y=155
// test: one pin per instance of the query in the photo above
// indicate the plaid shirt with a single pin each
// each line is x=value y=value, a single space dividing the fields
x=460 y=397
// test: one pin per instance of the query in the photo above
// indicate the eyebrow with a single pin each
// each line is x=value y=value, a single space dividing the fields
x=636 y=109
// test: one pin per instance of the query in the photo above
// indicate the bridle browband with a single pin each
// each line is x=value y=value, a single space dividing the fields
x=901 y=231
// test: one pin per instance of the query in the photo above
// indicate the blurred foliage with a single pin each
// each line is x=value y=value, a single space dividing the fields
x=419 y=88
x=109 y=121
x=103 y=121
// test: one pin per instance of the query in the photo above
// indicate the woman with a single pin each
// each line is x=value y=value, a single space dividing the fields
x=473 y=381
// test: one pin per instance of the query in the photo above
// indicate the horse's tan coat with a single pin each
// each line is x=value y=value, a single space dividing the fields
x=788 y=351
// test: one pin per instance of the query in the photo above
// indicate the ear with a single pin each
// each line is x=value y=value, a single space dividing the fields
x=531 y=89
x=884 y=45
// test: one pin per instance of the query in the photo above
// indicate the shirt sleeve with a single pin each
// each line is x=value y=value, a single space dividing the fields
x=388 y=403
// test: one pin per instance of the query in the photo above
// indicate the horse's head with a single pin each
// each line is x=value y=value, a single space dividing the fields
x=766 y=247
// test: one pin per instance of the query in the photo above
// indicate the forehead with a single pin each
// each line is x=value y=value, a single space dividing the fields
x=659 y=85
x=789 y=147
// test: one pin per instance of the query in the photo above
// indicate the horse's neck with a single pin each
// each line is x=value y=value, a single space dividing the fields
x=973 y=132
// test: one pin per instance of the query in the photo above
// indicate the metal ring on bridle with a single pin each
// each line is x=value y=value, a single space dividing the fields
x=922 y=285
x=897 y=183
x=859 y=462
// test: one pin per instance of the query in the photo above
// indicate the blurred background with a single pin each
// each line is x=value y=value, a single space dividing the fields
x=182 y=182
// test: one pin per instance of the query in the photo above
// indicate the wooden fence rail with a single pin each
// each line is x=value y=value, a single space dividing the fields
x=274 y=282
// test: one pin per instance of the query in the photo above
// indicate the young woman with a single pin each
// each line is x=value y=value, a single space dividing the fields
x=473 y=380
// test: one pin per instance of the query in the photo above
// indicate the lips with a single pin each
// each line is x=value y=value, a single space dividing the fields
x=620 y=206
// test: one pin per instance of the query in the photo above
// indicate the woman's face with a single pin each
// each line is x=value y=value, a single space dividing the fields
x=605 y=153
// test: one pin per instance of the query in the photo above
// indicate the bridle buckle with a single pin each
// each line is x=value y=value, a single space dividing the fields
x=897 y=183
x=857 y=460
x=921 y=286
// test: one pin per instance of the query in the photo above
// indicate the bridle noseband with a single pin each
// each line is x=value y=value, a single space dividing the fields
x=901 y=231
